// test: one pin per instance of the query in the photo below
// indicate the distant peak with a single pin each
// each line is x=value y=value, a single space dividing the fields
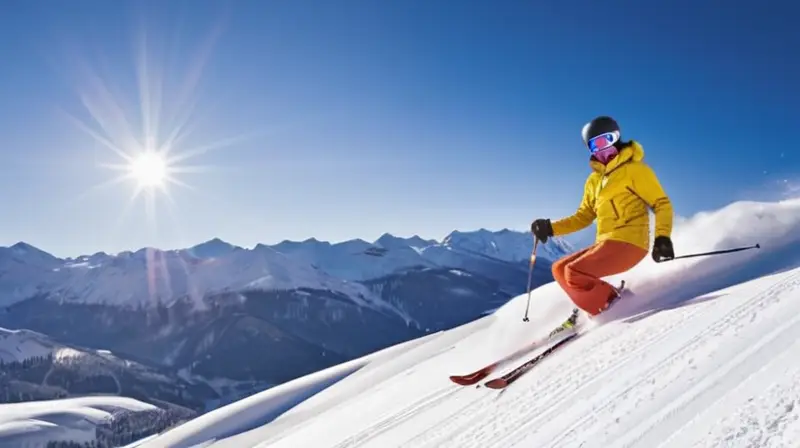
x=418 y=240
x=214 y=242
x=147 y=250
x=315 y=242
x=25 y=248
x=454 y=233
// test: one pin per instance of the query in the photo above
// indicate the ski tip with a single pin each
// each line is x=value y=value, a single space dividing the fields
x=497 y=383
x=462 y=381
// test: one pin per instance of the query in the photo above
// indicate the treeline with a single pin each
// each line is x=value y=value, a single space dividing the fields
x=126 y=427
x=9 y=394
x=65 y=444
x=45 y=378
x=22 y=381
x=27 y=364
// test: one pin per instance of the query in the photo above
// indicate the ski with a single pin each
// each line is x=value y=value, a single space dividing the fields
x=513 y=375
x=508 y=378
x=483 y=372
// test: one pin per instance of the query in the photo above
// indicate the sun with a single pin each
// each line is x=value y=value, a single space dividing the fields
x=152 y=147
x=149 y=169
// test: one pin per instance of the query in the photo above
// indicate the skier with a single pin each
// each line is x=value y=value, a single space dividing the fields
x=619 y=192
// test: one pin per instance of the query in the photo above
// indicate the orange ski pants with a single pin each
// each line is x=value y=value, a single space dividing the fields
x=579 y=273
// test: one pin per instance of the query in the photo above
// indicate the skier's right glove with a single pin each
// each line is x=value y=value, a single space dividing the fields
x=542 y=229
x=662 y=249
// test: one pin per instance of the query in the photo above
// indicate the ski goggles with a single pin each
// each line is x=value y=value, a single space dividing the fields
x=603 y=141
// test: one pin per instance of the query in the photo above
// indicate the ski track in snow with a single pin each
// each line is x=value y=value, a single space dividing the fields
x=687 y=376
x=667 y=389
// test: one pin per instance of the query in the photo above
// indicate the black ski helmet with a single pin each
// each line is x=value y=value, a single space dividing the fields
x=597 y=126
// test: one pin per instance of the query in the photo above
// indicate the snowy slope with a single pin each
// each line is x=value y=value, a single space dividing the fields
x=33 y=424
x=359 y=260
x=702 y=353
x=354 y=259
x=24 y=272
x=506 y=245
x=19 y=345
x=212 y=249
x=149 y=274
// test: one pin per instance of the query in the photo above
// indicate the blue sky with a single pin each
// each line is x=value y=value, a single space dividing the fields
x=353 y=118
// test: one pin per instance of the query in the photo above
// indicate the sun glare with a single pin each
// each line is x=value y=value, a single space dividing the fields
x=153 y=151
x=149 y=169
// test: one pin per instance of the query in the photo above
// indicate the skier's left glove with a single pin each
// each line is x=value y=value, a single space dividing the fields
x=542 y=229
x=662 y=249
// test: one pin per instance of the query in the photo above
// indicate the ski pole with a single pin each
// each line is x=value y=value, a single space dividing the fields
x=530 y=277
x=716 y=252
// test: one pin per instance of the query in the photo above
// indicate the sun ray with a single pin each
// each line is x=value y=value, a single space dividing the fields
x=191 y=169
x=150 y=210
x=178 y=133
x=144 y=149
x=99 y=138
x=180 y=183
x=216 y=145
x=107 y=113
x=114 y=166
x=126 y=209
x=95 y=188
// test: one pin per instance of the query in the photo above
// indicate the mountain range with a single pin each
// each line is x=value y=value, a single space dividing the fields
x=263 y=316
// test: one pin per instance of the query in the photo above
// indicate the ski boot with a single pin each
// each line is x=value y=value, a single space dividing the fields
x=567 y=324
x=617 y=294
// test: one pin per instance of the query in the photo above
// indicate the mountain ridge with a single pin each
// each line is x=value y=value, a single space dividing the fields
x=215 y=266
x=415 y=240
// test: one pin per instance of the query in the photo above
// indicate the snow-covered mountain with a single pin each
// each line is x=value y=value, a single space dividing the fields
x=24 y=272
x=359 y=260
x=212 y=249
x=504 y=245
x=205 y=309
x=701 y=352
x=149 y=275
x=20 y=345
x=33 y=366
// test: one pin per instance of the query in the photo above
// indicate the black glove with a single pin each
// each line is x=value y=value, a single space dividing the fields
x=542 y=229
x=662 y=249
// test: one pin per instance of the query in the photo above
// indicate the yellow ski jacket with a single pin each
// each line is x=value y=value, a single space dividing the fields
x=619 y=195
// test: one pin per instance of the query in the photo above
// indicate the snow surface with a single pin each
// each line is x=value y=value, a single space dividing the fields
x=35 y=423
x=702 y=352
x=19 y=345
